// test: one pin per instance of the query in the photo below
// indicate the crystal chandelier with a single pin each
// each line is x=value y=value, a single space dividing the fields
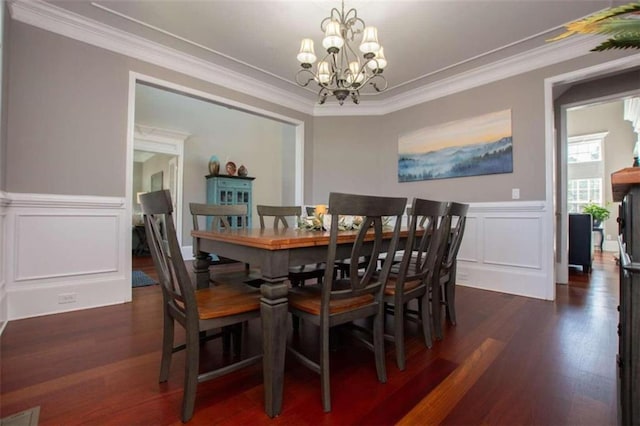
x=342 y=72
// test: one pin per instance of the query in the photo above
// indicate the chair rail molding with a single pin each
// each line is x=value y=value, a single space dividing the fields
x=503 y=249
x=63 y=253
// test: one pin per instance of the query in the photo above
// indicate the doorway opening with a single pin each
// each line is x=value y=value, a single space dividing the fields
x=590 y=140
x=270 y=146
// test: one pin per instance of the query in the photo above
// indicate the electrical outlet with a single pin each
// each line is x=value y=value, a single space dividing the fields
x=608 y=237
x=515 y=193
x=64 y=298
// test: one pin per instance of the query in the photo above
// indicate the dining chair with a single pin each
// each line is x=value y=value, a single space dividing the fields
x=297 y=274
x=222 y=306
x=217 y=216
x=447 y=280
x=412 y=277
x=342 y=300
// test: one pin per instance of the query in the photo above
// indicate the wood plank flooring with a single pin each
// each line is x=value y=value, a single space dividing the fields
x=510 y=360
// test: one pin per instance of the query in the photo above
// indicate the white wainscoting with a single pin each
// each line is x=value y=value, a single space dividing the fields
x=66 y=253
x=4 y=201
x=504 y=249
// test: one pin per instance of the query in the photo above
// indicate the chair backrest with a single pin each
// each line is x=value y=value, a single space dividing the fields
x=426 y=240
x=177 y=288
x=372 y=209
x=219 y=215
x=279 y=214
x=457 y=211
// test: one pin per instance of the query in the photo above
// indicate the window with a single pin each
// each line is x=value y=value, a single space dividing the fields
x=586 y=148
x=583 y=191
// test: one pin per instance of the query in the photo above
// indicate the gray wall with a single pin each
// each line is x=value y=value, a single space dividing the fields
x=68 y=109
x=361 y=153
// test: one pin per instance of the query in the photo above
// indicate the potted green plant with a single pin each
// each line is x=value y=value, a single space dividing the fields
x=596 y=211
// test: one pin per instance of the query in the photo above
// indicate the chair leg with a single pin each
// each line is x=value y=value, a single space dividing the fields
x=378 y=344
x=426 y=320
x=436 y=310
x=167 y=346
x=324 y=368
x=450 y=297
x=398 y=334
x=237 y=338
x=295 y=322
x=190 y=374
x=226 y=339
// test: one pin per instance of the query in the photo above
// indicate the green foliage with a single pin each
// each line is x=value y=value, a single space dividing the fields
x=621 y=24
x=596 y=211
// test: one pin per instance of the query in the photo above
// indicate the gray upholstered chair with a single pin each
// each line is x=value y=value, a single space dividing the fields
x=413 y=276
x=340 y=301
x=223 y=306
x=297 y=274
x=447 y=280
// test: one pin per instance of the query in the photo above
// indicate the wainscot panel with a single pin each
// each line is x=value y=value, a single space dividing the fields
x=65 y=253
x=504 y=249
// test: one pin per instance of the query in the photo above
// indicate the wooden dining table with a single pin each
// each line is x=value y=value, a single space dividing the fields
x=274 y=251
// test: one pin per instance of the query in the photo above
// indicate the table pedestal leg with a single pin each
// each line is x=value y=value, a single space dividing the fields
x=273 y=309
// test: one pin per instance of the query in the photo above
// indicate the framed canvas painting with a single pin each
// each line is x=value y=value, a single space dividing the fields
x=477 y=146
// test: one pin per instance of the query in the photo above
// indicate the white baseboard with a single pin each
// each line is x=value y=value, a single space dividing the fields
x=52 y=298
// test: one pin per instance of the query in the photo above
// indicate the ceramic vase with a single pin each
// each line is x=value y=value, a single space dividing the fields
x=242 y=170
x=214 y=165
x=231 y=168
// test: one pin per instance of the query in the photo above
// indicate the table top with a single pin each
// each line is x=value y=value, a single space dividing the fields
x=285 y=238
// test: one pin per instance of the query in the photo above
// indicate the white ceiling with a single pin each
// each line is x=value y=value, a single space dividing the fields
x=424 y=40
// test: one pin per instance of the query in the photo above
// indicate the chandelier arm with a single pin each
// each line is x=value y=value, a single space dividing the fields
x=375 y=86
x=310 y=76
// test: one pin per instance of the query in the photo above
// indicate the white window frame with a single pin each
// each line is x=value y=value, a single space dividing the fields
x=587 y=139
x=586 y=201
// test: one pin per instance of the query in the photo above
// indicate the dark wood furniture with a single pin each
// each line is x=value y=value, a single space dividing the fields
x=340 y=301
x=214 y=307
x=274 y=251
x=599 y=229
x=626 y=188
x=417 y=272
x=580 y=241
x=142 y=247
x=457 y=221
x=297 y=274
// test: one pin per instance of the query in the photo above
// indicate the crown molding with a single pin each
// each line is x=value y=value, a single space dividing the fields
x=514 y=65
x=157 y=134
x=60 y=21
x=52 y=18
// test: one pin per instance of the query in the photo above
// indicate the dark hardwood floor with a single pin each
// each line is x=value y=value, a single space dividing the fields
x=510 y=361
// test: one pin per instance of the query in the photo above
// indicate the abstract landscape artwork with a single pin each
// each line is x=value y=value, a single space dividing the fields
x=477 y=146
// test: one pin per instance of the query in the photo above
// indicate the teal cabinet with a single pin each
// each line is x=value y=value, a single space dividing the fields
x=228 y=190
